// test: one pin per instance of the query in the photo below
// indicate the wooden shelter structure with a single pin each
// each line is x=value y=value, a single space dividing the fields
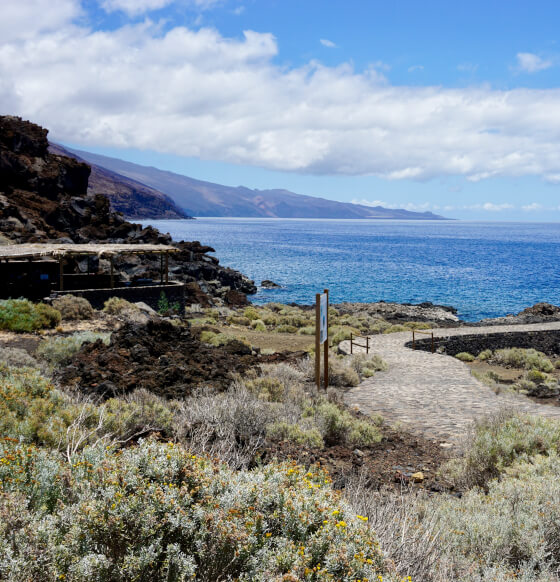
x=36 y=270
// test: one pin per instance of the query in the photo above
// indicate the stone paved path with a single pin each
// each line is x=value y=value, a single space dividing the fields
x=434 y=395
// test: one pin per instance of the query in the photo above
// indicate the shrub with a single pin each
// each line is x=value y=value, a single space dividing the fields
x=286 y=329
x=497 y=442
x=310 y=437
x=417 y=325
x=238 y=320
x=116 y=305
x=21 y=315
x=339 y=427
x=511 y=531
x=258 y=325
x=485 y=355
x=307 y=330
x=207 y=336
x=266 y=388
x=16 y=357
x=367 y=364
x=57 y=350
x=536 y=376
x=72 y=307
x=157 y=512
x=521 y=358
x=395 y=328
x=379 y=326
x=251 y=313
x=465 y=357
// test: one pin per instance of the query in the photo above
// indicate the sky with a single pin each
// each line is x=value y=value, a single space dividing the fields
x=434 y=106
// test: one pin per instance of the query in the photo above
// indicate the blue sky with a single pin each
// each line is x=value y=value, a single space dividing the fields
x=449 y=107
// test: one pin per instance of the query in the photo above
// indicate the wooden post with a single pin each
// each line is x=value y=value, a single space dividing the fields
x=351 y=351
x=432 y=342
x=317 y=342
x=166 y=268
x=367 y=344
x=326 y=374
x=161 y=269
x=112 y=272
x=413 y=341
x=61 y=274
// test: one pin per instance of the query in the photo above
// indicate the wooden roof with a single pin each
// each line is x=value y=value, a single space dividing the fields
x=57 y=251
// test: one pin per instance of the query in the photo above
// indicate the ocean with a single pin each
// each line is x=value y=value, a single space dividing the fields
x=483 y=269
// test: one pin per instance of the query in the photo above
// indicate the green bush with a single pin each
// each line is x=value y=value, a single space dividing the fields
x=157 y=512
x=465 y=357
x=116 y=305
x=21 y=315
x=509 y=532
x=258 y=325
x=251 y=313
x=310 y=437
x=338 y=426
x=73 y=308
x=238 y=320
x=307 y=330
x=521 y=358
x=537 y=376
x=286 y=329
x=207 y=336
x=58 y=350
x=497 y=442
x=395 y=328
x=485 y=355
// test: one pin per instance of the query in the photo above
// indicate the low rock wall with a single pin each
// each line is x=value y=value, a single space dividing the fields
x=149 y=294
x=547 y=341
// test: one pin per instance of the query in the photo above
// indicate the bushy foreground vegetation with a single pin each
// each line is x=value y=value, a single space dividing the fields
x=21 y=315
x=536 y=380
x=157 y=512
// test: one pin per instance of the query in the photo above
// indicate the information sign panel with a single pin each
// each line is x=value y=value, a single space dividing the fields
x=323 y=330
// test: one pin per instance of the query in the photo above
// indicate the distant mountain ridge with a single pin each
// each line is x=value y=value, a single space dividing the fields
x=133 y=199
x=200 y=198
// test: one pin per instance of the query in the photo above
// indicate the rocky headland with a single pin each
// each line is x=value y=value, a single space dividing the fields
x=44 y=198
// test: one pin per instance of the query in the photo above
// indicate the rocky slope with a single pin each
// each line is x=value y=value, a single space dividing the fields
x=43 y=197
x=134 y=199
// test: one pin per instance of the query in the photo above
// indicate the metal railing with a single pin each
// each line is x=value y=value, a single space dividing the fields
x=430 y=333
x=355 y=343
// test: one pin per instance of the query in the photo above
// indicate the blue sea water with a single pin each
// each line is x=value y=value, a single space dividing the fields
x=484 y=269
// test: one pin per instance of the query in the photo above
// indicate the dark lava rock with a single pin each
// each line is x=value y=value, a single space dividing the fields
x=267 y=284
x=165 y=359
x=44 y=197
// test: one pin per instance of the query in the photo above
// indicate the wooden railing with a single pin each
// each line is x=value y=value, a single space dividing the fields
x=355 y=343
x=430 y=333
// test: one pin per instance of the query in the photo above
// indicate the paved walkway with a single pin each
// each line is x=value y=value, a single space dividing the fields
x=435 y=395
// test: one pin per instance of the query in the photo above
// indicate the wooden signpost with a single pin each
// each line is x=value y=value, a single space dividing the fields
x=322 y=336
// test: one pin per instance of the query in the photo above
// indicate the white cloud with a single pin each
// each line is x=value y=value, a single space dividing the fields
x=415 y=68
x=328 y=43
x=137 y=7
x=531 y=63
x=197 y=93
x=534 y=206
x=491 y=207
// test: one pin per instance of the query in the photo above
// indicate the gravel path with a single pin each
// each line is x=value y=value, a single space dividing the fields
x=435 y=395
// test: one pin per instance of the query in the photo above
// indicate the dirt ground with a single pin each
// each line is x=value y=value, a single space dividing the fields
x=265 y=340
x=390 y=463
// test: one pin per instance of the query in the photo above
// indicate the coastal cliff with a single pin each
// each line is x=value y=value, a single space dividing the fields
x=44 y=197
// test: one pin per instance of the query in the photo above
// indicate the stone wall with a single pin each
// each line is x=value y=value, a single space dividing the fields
x=547 y=341
x=149 y=294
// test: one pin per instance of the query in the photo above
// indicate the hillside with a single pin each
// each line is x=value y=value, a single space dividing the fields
x=133 y=199
x=200 y=198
